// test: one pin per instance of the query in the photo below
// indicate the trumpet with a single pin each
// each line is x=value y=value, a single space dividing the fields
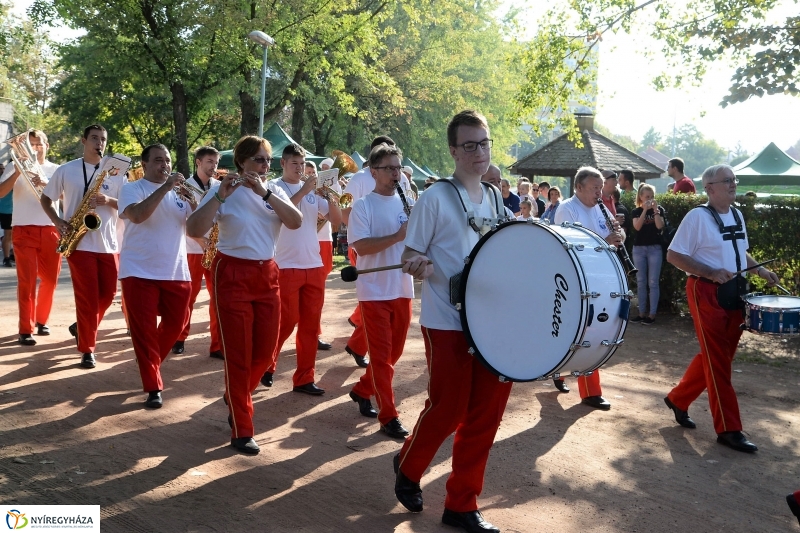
x=342 y=200
x=186 y=190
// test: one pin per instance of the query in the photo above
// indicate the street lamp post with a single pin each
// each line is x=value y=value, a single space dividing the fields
x=265 y=41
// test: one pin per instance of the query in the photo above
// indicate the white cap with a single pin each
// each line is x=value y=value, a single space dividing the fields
x=408 y=171
x=327 y=161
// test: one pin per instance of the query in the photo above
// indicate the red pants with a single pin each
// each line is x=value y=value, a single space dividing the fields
x=302 y=298
x=386 y=324
x=197 y=273
x=463 y=397
x=152 y=340
x=358 y=339
x=94 y=282
x=248 y=308
x=326 y=253
x=718 y=333
x=36 y=256
x=589 y=385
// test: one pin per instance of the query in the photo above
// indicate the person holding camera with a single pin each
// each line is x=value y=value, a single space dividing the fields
x=648 y=221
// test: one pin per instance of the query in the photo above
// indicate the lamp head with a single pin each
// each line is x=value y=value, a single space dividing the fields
x=261 y=38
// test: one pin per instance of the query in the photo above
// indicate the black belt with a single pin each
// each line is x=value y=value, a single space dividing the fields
x=704 y=280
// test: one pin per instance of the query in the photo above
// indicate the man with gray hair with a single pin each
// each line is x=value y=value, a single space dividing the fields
x=711 y=247
x=492 y=176
x=510 y=200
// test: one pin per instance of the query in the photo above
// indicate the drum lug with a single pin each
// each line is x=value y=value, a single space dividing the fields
x=502 y=379
x=587 y=295
x=624 y=295
x=466 y=260
x=612 y=343
x=570 y=246
x=458 y=306
x=471 y=351
x=589 y=373
x=584 y=344
x=576 y=374
x=601 y=248
x=557 y=376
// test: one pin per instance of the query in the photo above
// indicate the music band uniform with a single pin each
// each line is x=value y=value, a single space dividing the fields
x=155 y=275
x=94 y=264
x=35 y=239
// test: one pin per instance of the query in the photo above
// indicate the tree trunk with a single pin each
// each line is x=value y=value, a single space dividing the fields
x=248 y=105
x=298 y=119
x=181 y=118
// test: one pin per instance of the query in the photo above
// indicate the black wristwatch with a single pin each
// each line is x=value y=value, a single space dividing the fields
x=266 y=196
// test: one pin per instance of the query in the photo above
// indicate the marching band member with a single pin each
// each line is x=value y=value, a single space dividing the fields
x=35 y=240
x=583 y=208
x=206 y=159
x=361 y=184
x=302 y=276
x=246 y=274
x=377 y=229
x=95 y=262
x=153 y=266
x=463 y=396
x=325 y=238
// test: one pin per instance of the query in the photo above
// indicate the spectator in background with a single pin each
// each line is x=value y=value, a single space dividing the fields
x=544 y=193
x=510 y=200
x=683 y=183
x=524 y=191
x=553 y=201
x=609 y=184
x=525 y=207
x=536 y=192
x=6 y=207
x=648 y=221
x=671 y=187
x=492 y=176
x=625 y=180
x=623 y=215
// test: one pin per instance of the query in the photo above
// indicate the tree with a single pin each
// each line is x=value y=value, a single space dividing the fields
x=697 y=152
x=651 y=138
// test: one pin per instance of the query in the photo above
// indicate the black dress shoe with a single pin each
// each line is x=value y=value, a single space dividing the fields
x=87 y=361
x=178 y=347
x=246 y=445
x=598 y=402
x=364 y=405
x=309 y=388
x=793 y=505
x=471 y=521
x=408 y=493
x=560 y=385
x=73 y=330
x=737 y=441
x=26 y=340
x=266 y=379
x=361 y=360
x=217 y=354
x=42 y=329
x=350 y=321
x=681 y=417
x=154 y=400
x=322 y=345
x=395 y=429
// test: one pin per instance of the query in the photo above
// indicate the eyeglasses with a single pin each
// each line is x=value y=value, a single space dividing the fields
x=726 y=181
x=472 y=146
x=262 y=160
x=390 y=169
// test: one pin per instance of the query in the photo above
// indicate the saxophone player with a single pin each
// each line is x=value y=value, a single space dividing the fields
x=158 y=274
x=95 y=263
x=206 y=160
x=35 y=239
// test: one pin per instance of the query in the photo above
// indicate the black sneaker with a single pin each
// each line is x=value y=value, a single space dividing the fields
x=636 y=319
x=8 y=262
x=647 y=320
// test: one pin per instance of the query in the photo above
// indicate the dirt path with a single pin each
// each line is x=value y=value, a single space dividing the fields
x=68 y=435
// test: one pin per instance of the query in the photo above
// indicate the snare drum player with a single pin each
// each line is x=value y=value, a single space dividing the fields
x=583 y=208
x=206 y=160
x=711 y=257
x=377 y=230
x=153 y=268
x=463 y=396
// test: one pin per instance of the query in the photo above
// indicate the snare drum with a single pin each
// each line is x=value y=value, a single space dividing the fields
x=772 y=314
x=539 y=301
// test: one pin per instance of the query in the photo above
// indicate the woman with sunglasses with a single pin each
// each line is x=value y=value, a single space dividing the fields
x=245 y=275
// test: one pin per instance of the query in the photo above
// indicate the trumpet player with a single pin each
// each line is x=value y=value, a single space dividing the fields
x=302 y=276
x=35 y=239
x=206 y=160
x=95 y=263
x=153 y=265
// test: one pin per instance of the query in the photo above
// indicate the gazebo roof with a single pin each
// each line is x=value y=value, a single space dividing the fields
x=561 y=157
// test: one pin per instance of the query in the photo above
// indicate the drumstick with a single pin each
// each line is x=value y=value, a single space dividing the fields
x=351 y=274
x=754 y=266
x=781 y=287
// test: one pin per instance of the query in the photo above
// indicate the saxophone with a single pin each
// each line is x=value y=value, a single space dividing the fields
x=211 y=250
x=85 y=219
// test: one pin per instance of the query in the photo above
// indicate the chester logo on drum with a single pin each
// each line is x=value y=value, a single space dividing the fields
x=561 y=289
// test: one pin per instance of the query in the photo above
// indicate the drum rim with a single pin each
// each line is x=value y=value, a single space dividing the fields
x=756 y=307
x=463 y=310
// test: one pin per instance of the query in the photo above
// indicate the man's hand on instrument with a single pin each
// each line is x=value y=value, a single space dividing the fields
x=418 y=266
x=62 y=226
x=309 y=184
x=615 y=238
x=721 y=275
x=99 y=199
x=36 y=179
x=770 y=276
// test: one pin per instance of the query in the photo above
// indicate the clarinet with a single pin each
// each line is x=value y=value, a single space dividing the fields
x=622 y=252
x=406 y=207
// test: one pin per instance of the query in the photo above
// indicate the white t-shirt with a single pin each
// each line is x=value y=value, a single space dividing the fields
x=248 y=226
x=192 y=246
x=438 y=228
x=68 y=180
x=155 y=248
x=573 y=210
x=299 y=248
x=376 y=215
x=324 y=234
x=698 y=237
x=27 y=209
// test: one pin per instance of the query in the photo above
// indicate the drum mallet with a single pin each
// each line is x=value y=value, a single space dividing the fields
x=350 y=273
x=781 y=287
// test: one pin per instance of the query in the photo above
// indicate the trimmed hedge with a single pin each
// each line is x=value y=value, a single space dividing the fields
x=773 y=230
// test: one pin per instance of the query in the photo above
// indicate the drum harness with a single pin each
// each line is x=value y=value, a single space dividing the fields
x=729 y=294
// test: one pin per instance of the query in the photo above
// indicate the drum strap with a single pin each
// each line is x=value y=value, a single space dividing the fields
x=480 y=225
x=729 y=294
